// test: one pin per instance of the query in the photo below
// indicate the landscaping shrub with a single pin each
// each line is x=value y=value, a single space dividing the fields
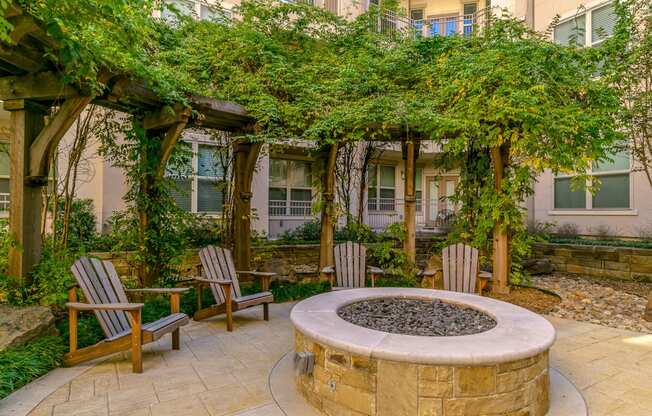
x=82 y=226
x=20 y=365
x=355 y=231
x=568 y=230
x=388 y=254
x=307 y=232
x=287 y=292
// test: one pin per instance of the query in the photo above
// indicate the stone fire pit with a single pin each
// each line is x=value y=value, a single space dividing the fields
x=500 y=369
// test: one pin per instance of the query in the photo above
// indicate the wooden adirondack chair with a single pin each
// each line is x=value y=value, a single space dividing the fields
x=461 y=269
x=120 y=320
x=222 y=278
x=349 y=271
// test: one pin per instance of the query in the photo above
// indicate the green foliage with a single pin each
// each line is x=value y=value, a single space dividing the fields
x=601 y=242
x=51 y=277
x=82 y=223
x=355 y=231
x=389 y=255
x=309 y=231
x=288 y=292
x=20 y=365
x=627 y=64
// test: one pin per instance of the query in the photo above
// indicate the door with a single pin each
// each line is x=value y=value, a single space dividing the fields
x=440 y=190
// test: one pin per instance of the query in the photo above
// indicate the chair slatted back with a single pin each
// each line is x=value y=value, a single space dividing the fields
x=217 y=263
x=350 y=264
x=460 y=266
x=100 y=284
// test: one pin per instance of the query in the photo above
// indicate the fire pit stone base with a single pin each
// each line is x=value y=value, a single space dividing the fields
x=347 y=384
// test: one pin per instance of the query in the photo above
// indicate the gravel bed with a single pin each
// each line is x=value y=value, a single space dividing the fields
x=601 y=303
x=416 y=317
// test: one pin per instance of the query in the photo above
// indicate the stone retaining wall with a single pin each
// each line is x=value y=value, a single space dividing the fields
x=291 y=262
x=598 y=261
x=345 y=384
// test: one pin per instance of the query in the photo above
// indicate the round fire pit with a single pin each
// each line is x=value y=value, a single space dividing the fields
x=402 y=351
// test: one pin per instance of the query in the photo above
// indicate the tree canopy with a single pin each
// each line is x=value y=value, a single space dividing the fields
x=302 y=72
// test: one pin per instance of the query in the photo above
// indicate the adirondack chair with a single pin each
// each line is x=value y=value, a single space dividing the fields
x=349 y=271
x=220 y=275
x=461 y=270
x=120 y=320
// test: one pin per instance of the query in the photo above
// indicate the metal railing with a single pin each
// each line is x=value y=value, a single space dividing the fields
x=4 y=202
x=464 y=25
x=385 y=211
x=283 y=208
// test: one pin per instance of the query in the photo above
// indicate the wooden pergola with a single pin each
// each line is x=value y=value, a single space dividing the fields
x=31 y=87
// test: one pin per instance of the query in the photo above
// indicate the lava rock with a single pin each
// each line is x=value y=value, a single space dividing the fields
x=416 y=317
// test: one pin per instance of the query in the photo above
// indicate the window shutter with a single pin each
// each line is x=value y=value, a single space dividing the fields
x=571 y=32
x=603 y=21
x=470 y=8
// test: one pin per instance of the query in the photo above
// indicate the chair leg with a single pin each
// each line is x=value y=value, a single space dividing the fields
x=229 y=311
x=175 y=306
x=136 y=343
x=266 y=311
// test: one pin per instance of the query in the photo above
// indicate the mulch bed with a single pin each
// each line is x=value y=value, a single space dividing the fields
x=529 y=298
x=416 y=317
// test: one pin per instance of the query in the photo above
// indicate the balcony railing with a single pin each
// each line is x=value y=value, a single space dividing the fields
x=463 y=25
x=4 y=202
x=300 y=209
x=384 y=211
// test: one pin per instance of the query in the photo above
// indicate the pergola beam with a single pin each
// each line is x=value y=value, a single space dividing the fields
x=50 y=136
x=40 y=86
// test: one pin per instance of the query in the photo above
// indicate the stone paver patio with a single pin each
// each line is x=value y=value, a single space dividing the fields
x=219 y=373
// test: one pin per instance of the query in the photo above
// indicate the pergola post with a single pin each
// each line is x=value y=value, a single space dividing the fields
x=326 y=243
x=27 y=121
x=501 y=254
x=167 y=125
x=410 y=156
x=246 y=156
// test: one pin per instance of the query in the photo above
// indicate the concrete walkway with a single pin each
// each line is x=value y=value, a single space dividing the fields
x=218 y=373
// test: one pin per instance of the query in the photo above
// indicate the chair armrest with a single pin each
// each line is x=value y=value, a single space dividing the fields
x=375 y=270
x=203 y=280
x=105 y=306
x=485 y=275
x=160 y=290
x=328 y=270
x=429 y=272
x=259 y=274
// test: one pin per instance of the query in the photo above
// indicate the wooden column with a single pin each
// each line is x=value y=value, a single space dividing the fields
x=246 y=157
x=501 y=254
x=326 y=242
x=648 y=309
x=410 y=155
x=167 y=124
x=27 y=120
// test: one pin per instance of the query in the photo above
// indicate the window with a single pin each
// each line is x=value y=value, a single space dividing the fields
x=613 y=192
x=290 y=188
x=443 y=25
x=183 y=7
x=382 y=188
x=469 y=16
x=199 y=185
x=416 y=16
x=571 y=32
x=587 y=28
x=603 y=21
